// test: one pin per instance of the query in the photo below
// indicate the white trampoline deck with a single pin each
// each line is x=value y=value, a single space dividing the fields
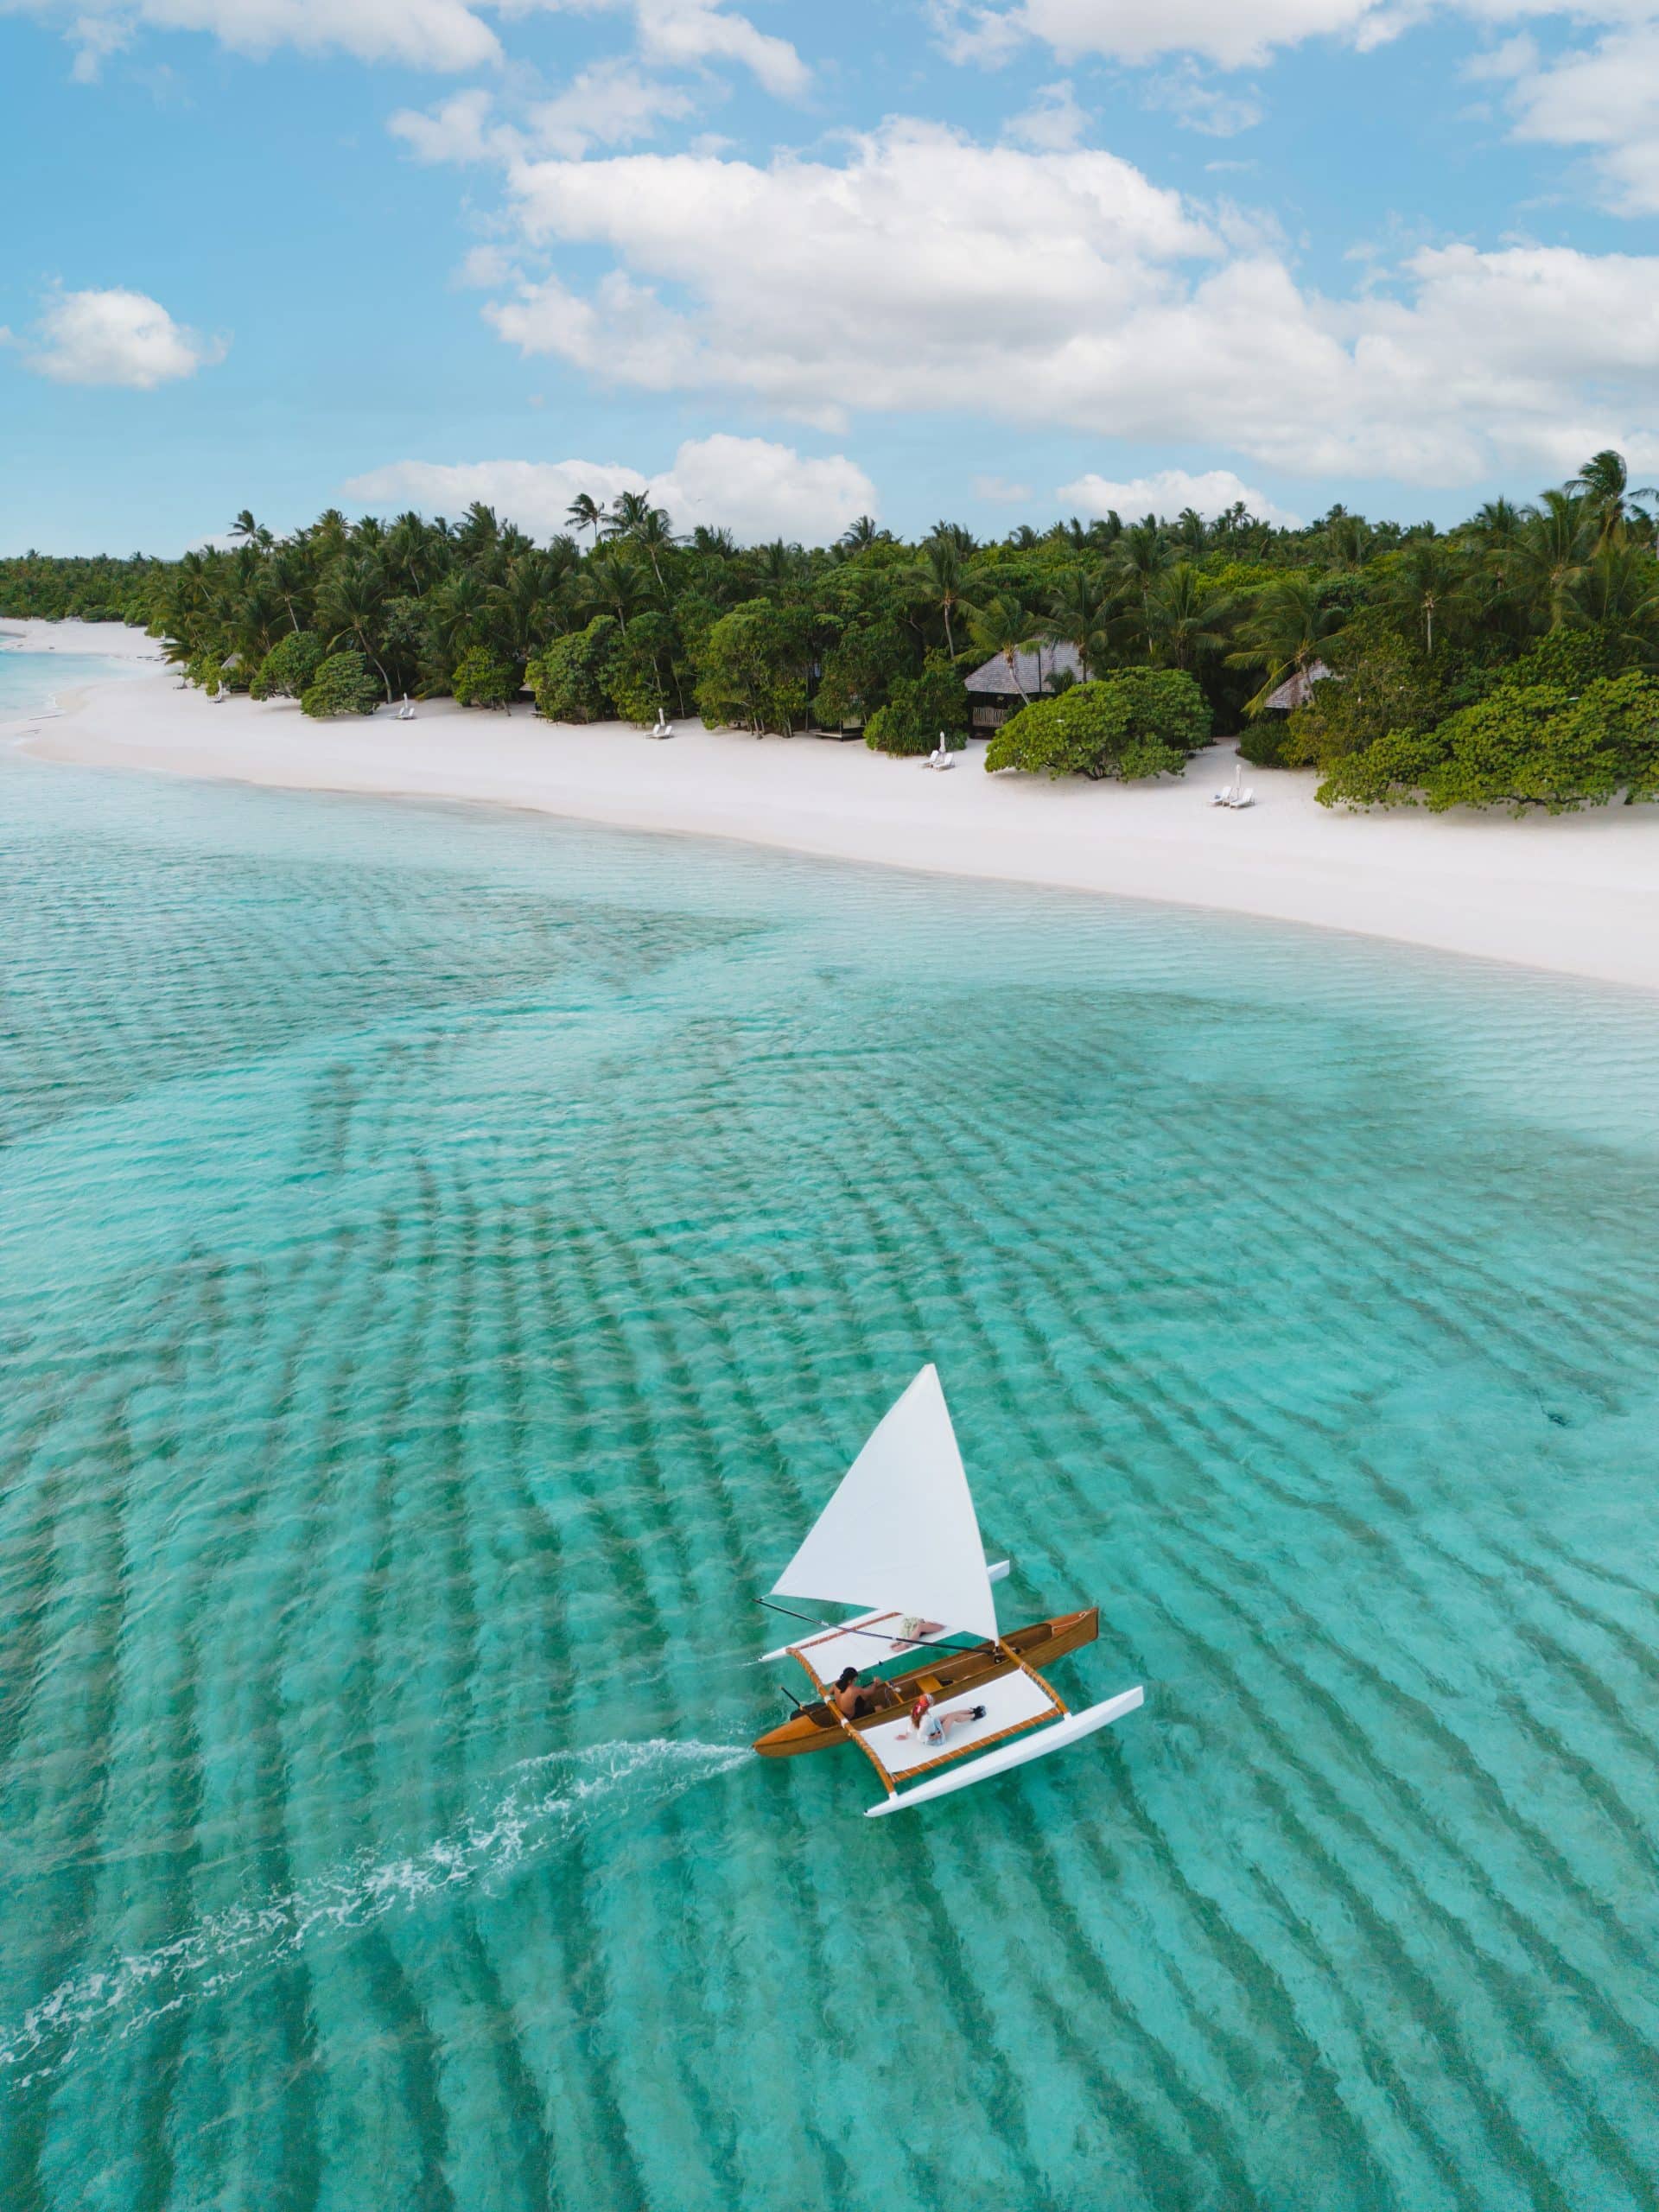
x=1013 y=1702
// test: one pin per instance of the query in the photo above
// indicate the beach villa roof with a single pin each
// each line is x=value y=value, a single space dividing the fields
x=1039 y=665
x=1298 y=689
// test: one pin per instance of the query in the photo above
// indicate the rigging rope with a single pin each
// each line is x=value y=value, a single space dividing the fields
x=893 y=1642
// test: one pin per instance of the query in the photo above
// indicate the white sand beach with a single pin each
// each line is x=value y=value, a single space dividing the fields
x=1577 y=894
x=114 y=640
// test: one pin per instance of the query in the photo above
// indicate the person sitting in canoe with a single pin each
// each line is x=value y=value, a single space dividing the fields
x=933 y=1726
x=849 y=1701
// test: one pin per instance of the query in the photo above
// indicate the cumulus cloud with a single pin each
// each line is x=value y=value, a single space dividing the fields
x=1198 y=105
x=446 y=34
x=1222 y=31
x=675 y=33
x=1053 y=122
x=612 y=103
x=443 y=35
x=1604 y=99
x=692 y=34
x=116 y=337
x=922 y=272
x=750 y=485
x=1168 y=492
x=1230 y=35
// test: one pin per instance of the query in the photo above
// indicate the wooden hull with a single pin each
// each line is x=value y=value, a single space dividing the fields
x=815 y=1728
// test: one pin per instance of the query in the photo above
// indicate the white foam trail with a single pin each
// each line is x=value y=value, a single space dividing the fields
x=550 y=1800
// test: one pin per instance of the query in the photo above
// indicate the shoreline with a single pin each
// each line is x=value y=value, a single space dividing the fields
x=1575 y=894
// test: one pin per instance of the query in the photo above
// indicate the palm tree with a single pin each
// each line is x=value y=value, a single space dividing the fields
x=349 y=608
x=1544 y=564
x=413 y=555
x=329 y=533
x=1351 y=539
x=1618 y=589
x=1079 y=612
x=1495 y=524
x=654 y=538
x=478 y=532
x=627 y=514
x=1143 y=552
x=291 y=575
x=585 y=513
x=1186 y=624
x=1287 y=622
x=859 y=534
x=1004 y=624
x=635 y=518
x=952 y=533
x=458 y=613
x=1606 y=483
x=611 y=582
x=940 y=580
x=251 y=533
x=1428 y=580
x=524 y=611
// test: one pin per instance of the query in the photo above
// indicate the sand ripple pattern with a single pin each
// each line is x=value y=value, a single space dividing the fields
x=443 y=1261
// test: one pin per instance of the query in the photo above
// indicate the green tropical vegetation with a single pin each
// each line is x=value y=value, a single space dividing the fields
x=1131 y=723
x=1511 y=661
x=51 y=588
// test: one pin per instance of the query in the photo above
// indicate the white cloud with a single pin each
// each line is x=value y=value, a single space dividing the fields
x=922 y=273
x=460 y=129
x=1197 y=105
x=117 y=337
x=1000 y=490
x=1168 y=493
x=536 y=494
x=1604 y=97
x=908 y=275
x=419 y=34
x=1231 y=34
x=1053 y=122
x=444 y=34
x=677 y=33
x=749 y=485
x=1227 y=32
x=609 y=105
x=1516 y=57
x=690 y=33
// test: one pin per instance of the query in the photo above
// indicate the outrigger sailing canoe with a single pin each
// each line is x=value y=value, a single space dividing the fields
x=900 y=1537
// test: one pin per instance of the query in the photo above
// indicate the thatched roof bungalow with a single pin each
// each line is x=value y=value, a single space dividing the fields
x=993 y=692
x=1297 y=688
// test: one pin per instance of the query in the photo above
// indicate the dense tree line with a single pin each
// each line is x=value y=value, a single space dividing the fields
x=98 y=590
x=1512 y=660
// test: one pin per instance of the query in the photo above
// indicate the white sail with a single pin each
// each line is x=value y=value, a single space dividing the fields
x=901 y=1531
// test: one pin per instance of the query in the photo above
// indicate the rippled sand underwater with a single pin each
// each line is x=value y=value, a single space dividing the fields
x=445 y=1260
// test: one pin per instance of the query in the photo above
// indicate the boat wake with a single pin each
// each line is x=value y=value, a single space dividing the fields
x=549 y=1802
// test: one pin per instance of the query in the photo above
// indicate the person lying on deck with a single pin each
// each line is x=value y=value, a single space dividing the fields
x=933 y=1725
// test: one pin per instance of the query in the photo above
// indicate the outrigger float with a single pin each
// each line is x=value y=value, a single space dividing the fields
x=900 y=1537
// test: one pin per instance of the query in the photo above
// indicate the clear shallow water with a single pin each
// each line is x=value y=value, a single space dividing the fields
x=444 y=1262
x=29 y=681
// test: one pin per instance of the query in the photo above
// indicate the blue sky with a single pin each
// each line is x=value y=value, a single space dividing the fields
x=992 y=259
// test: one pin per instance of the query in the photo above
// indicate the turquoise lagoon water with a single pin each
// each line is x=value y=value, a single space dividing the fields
x=445 y=1260
x=29 y=681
